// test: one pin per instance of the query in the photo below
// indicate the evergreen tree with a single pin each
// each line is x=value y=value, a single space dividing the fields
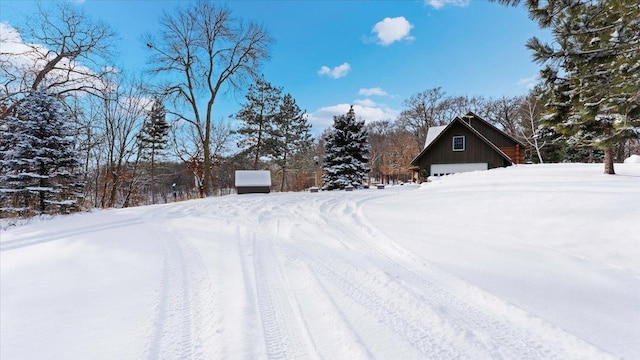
x=38 y=162
x=592 y=74
x=346 y=153
x=257 y=116
x=290 y=134
x=153 y=138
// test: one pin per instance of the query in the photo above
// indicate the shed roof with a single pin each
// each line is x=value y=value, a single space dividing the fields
x=253 y=178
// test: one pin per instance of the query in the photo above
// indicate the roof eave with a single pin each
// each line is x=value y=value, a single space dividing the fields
x=501 y=131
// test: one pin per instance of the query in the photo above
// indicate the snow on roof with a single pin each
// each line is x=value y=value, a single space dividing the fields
x=433 y=133
x=253 y=178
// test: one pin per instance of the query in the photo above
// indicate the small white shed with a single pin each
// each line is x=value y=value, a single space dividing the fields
x=253 y=181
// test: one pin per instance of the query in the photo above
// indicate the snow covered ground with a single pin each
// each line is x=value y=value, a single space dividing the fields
x=528 y=262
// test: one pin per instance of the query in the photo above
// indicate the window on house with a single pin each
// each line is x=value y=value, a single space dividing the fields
x=458 y=143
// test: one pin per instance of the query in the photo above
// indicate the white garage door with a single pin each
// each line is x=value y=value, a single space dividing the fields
x=445 y=169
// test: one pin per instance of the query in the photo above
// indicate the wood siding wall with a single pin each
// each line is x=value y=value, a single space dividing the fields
x=253 y=190
x=494 y=136
x=516 y=153
x=475 y=151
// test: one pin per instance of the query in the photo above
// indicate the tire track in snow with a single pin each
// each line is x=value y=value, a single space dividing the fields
x=427 y=333
x=279 y=303
x=483 y=328
x=285 y=338
x=343 y=341
x=512 y=331
x=251 y=317
x=60 y=235
x=173 y=329
x=432 y=310
x=504 y=330
x=24 y=241
x=496 y=334
x=183 y=321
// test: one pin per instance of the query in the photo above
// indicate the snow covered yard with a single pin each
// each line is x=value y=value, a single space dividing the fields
x=539 y=261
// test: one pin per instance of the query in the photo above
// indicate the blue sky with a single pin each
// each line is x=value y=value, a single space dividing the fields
x=372 y=54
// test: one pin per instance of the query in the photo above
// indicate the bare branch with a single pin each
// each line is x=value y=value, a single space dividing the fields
x=205 y=48
x=64 y=53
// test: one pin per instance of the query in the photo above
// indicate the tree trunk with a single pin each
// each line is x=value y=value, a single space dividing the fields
x=153 y=174
x=259 y=143
x=206 y=182
x=621 y=150
x=42 y=184
x=127 y=200
x=115 y=178
x=608 y=161
x=284 y=173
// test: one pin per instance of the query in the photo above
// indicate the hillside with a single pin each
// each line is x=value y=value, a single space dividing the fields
x=536 y=262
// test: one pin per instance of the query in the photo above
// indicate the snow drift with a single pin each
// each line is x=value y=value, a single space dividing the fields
x=531 y=262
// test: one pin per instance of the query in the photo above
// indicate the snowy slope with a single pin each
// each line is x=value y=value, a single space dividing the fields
x=525 y=262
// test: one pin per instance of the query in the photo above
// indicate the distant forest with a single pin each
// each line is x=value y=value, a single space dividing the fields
x=126 y=142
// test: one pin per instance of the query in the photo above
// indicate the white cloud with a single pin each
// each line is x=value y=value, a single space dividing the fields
x=372 y=91
x=439 y=4
x=529 y=82
x=365 y=102
x=9 y=34
x=140 y=105
x=335 y=73
x=24 y=60
x=391 y=30
x=13 y=45
x=365 y=109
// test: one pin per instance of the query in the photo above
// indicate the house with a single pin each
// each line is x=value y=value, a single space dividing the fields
x=466 y=144
x=253 y=181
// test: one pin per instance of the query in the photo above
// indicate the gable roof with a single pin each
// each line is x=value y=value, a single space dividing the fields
x=443 y=131
x=470 y=115
x=432 y=133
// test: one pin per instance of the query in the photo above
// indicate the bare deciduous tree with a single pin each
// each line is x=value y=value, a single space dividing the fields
x=397 y=161
x=121 y=111
x=423 y=110
x=183 y=136
x=202 y=48
x=379 y=137
x=531 y=131
x=66 y=53
x=505 y=113
x=434 y=108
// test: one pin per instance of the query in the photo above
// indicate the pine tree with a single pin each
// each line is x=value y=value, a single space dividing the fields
x=290 y=134
x=257 y=116
x=346 y=153
x=38 y=162
x=592 y=75
x=153 y=138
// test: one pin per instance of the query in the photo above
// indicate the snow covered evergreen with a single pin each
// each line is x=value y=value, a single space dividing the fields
x=38 y=162
x=592 y=72
x=153 y=138
x=257 y=117
x=346 y=153
x=290 y=134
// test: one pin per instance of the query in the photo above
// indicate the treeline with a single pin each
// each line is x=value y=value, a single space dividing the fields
x=77 y=133
x=394 y=143
x=129 y=141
